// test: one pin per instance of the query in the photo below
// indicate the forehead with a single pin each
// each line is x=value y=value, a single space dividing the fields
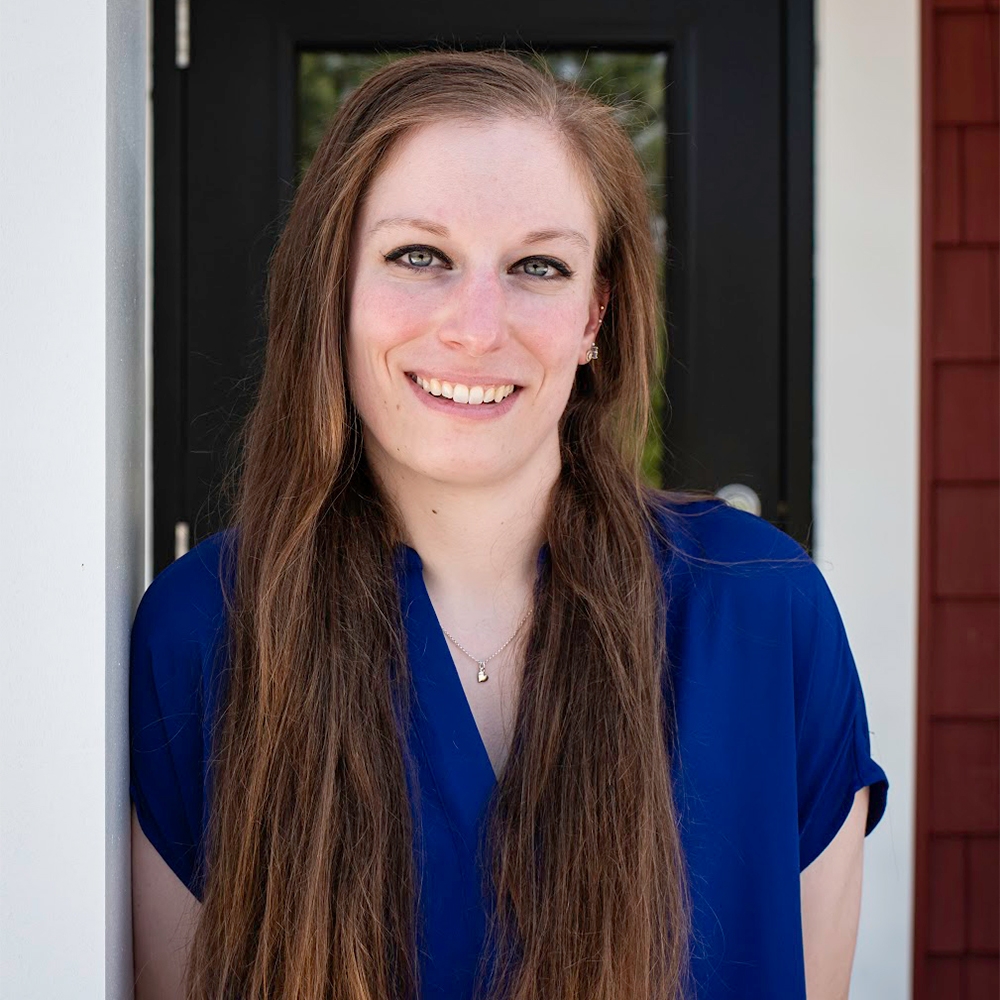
x=506 y=174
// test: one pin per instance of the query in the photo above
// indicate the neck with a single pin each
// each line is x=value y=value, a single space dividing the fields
x=478 y=544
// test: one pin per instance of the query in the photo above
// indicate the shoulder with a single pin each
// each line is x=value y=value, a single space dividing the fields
x=708 y=535
x=184 y=605
x=174 y=668
x=732 y=563
x=763 y=668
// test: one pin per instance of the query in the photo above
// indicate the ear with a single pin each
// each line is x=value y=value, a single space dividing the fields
x=595 y=315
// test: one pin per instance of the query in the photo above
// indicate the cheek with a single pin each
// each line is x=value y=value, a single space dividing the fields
x=382 y=317
x=555 y=333
x=378 y=322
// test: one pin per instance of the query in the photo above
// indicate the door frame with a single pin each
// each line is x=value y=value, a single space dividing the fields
x=793 y=510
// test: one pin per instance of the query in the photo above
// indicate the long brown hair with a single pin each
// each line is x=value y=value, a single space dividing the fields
x=310 y=878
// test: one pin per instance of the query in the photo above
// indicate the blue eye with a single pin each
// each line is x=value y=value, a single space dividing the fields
x=415 y=258
x=418 y=258
x=537 y=267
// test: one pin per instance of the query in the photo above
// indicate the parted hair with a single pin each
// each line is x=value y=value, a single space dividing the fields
x=309 y=890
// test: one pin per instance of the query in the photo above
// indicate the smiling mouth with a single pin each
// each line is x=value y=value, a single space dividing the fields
x=471 y=395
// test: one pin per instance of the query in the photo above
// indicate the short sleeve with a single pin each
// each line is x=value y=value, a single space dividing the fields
x=832 y=739
x=167 y=652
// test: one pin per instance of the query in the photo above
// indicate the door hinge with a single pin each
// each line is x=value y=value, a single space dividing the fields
x=182 y=33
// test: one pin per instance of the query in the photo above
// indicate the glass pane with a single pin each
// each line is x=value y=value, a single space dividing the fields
x=634 y=83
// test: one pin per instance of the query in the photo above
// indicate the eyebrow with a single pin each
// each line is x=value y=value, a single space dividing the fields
x=537 y=236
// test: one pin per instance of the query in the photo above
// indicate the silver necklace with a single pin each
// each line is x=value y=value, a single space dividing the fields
x=482 y=675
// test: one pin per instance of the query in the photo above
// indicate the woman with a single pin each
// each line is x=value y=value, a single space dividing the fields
x=456 y=703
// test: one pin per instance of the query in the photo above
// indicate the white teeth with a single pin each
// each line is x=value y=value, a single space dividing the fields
x=469 y=395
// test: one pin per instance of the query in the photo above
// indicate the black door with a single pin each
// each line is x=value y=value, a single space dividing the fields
x=725 y=118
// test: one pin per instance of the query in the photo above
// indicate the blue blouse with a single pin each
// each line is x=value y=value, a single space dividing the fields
x=771 y=744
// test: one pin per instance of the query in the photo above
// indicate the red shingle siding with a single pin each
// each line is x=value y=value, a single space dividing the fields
x=981 y=165
x=966 y=535
x=963 y=72
x=947 y=207
x=967 y=406
x=982 y=978
x=946 y=889
x=957 y=884
x=984 y=877
x=963 y=778
x=943 y=979
x=964 y=304
x=964 y=680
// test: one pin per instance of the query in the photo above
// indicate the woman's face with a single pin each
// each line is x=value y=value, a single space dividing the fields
x=472 y=302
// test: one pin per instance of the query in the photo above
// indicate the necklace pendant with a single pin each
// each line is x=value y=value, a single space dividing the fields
x=482 y=671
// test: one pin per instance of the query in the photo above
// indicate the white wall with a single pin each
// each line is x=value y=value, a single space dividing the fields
x=867 y=354
x=72 y=403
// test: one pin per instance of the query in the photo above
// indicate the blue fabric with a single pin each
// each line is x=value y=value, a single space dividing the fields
x=772 y=744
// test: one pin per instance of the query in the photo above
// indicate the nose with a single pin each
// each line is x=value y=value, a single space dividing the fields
x=477 y=315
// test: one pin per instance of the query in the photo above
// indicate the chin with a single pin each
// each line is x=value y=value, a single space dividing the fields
x=458 y=470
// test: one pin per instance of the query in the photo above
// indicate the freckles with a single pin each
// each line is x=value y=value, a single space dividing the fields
x=395 y=314
x=557 y=316
x=555 y=335
x=403 y=309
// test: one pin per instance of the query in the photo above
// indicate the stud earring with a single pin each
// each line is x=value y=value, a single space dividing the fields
x=592 y=352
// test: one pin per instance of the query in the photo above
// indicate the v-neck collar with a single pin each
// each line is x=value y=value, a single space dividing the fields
x=446 y=726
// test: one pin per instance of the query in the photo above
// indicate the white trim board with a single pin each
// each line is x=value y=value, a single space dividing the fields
x=867 y=418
